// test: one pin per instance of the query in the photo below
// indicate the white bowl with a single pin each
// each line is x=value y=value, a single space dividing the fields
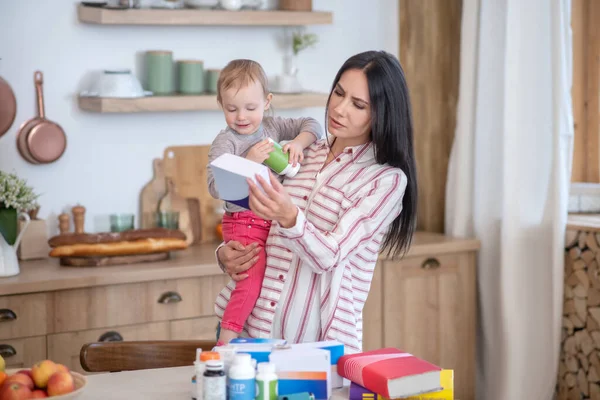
x=117 y=83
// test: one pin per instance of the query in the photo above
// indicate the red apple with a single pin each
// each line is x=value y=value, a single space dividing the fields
x=15 y=391
x=60 y=383
x=62 y=368
x=42 y=372
x=38 y=394
x=23 y=379
x=26 y=372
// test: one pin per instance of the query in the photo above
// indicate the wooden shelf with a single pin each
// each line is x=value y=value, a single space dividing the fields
x=95 y=15
x=190 y=103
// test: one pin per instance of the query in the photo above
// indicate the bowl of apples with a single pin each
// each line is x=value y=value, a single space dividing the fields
x=45 y=379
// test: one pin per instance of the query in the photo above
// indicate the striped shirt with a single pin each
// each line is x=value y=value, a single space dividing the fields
x=319 y=271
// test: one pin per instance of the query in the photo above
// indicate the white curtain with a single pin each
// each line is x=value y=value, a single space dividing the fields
x=508 y=183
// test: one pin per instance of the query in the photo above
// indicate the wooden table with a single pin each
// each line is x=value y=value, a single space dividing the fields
x=150 y=384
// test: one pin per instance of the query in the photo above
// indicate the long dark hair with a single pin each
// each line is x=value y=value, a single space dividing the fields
x=391 y=133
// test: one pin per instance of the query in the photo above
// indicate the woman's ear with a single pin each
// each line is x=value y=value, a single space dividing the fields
x=268 y=103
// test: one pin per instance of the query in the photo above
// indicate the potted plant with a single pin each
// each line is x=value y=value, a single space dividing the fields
x=16 y=198
x=299 y=41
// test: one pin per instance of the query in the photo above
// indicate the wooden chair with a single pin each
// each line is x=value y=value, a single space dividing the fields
x=136 y=355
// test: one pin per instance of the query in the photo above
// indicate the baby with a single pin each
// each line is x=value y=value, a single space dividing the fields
x=243 y=94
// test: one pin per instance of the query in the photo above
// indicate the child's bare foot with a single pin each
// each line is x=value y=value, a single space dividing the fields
x=226 y=336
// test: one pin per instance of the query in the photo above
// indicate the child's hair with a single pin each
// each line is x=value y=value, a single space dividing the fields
x=241 y=72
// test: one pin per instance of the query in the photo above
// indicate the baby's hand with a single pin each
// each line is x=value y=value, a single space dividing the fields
x=260 y=151
x=296 y=152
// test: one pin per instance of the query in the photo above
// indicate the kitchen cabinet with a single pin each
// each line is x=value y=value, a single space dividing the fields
x=424 y=304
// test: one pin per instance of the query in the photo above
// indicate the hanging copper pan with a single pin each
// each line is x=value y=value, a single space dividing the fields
x=41 y=141
x=8 y=107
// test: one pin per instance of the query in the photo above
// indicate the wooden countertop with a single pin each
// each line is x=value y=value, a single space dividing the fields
x=47 y=275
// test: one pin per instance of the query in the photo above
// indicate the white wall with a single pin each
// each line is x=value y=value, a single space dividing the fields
x=108 y=158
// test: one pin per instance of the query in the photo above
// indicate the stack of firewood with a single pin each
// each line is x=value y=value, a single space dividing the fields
x=579 y=368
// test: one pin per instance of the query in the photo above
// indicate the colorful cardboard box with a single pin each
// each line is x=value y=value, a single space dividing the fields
x=336 y=350
x=303 y=370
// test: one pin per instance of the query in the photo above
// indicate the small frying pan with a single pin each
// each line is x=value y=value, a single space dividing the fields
x=41 y=141
x=8 y=106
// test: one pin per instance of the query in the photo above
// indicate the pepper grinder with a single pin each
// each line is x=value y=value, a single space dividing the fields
x=63 y=223
x=78 y=218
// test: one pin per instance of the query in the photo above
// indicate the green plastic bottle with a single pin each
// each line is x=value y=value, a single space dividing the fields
x=279 y=161
x=266 y=382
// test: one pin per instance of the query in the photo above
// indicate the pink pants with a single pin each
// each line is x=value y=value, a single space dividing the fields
x=246 y=228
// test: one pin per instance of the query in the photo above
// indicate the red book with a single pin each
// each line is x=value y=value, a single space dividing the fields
x=390 y=372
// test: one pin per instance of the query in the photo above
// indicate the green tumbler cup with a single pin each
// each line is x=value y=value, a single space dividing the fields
x=279 y=161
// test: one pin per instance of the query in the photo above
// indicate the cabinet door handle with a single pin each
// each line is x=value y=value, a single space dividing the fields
x=430 y=263
x=6 y=350
x=111 y=336
x=6 y=314
x=170 y=297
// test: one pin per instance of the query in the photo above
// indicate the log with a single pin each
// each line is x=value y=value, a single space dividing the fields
x=593 y=375
x=570 y=380
x=581 y=308
x=588 y=256
x=562 y=370
x=596 y=338
x=563 y=391
x=582 y=382
x=571 y=238
x=570 y=347
x=595 y=313
x=584 y=342
x=592 y=325
x=572 y=280
x=580 y=264
x=581 y=240
x=568 y=292
x=583 y=361
x=593 y=298
x=594 y=391
x=594 y=360
x=580 y=291
x=572 y=363
x=568 y=326
x=569 y=307
x=583 y=278
x=591 y=243
x=577 y=323
x=574 y=394
x=575 y=253
x=592 y=270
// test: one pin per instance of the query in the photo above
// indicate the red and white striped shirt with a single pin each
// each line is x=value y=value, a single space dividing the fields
x=319 y=271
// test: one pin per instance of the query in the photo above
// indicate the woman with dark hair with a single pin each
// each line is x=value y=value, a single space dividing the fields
x=354 y=196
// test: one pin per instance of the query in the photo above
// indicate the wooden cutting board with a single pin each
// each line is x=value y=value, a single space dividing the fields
x=151 y=194
x=187 y=167
x=173 y=201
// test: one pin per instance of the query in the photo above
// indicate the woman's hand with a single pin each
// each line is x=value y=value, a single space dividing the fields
x=274 y=203
x=296 y=151
x=237 y=258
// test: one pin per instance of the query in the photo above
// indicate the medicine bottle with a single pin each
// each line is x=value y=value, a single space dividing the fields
x=214 y=385
x=241 y=384
x=266 y=382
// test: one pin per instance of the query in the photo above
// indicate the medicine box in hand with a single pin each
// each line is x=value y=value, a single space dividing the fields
x=230 y=173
